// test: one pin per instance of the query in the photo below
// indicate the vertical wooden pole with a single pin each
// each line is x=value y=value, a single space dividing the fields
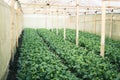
x=57 y=23
x=95 y=22
x=77 y=23
x=50 y=25
x=65 y=25
x=46 y=23
x=69 y=20
x=12 y=28
x=111 y=21
x=111 y=24
x=51 y=21
x=103 y=29
x=84 y=21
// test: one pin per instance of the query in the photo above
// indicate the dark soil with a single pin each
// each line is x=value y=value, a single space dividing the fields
x=13 y=66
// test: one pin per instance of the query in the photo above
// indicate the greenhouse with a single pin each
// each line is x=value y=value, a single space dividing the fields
x=59 y=39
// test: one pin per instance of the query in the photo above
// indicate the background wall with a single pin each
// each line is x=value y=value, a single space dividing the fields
x=88 y=23
x=42 y=21
x=8 y=36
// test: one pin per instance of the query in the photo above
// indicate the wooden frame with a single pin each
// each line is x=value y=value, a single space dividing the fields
x=64 y=35
x=111 y=24
x=57 y=23
x=103 y=29
x=77 y=23
x=95 y=16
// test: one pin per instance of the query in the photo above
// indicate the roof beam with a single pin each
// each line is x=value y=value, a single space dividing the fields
x=112 y=0
x=26 y=5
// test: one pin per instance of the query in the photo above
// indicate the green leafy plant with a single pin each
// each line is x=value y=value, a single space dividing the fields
x=92 y=43
x=82 y=61
x=36 y=62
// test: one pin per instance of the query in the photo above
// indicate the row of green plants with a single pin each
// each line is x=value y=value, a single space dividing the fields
x=92 y=42
x=109 y=41
x=37 y=62
x=84 y=63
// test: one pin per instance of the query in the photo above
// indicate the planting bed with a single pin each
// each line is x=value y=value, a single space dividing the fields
x=43 y=55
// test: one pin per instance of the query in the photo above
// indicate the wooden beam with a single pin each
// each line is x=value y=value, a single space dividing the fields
x=103 y=29
x=52 y=22
x=65 y=25
x=111 y=21
x=26 y=5
x=112 y=0
x=18 y=4
x=69 y=20
x=84 y=21
x=44 y=5
x=50 y=13
x=46 y=20
x=111 y=25
x=30 y=11
x=77 y=22
x=57 y=23
x=95 y=22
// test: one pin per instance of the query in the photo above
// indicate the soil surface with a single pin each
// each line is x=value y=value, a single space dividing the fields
x=13 y=66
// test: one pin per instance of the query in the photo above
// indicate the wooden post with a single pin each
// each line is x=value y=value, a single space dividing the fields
x=12 y=28
x=103 y=29
x=111 y=24
x=65 y=25
x=52 y=21
x=57 y=23
x=50 y=25
x=46 y=26
x=77 y=23
x=84 y=21
x=69 y=21
x=95 y=22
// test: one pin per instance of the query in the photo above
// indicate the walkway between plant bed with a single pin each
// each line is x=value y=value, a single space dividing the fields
x=78 y=58
x=59 y=56
x=13 y=66
x=91 y=42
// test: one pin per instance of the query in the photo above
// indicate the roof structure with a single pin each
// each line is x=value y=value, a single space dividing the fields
x=45 y=6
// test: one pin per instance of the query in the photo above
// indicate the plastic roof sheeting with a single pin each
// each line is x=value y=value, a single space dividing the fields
x=91 y=3
x=73 y=2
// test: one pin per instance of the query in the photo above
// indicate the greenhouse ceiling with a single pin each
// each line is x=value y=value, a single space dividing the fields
x=68 y=6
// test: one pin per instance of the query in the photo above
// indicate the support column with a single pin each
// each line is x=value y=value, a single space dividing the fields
x=95 y=22
x=103 y=29
x=52 y=21
x=69 y=20
x=65 y=24
x=57 y=23
x=50 y=25
x=46 y=20
x=84 y=21
x=77 y=23
x=111 y=24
